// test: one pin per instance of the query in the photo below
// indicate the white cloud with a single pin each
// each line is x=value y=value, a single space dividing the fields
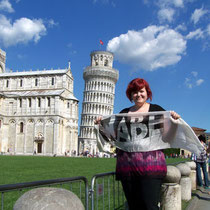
x=195 y=34
x=197 y=14
x=181 y=27
x=167 y=3
x=194 y=73
x=188 y=83
x=168 y=8
x=69 y=45
x=199 y=82
x=21 y=56
x=166 y=14
x=208 y=29
x=6 y=6
x=146 y=1
x=51 y=23
x=22 y=30
x=178 y=3
x=150 y=48
x=192 y=81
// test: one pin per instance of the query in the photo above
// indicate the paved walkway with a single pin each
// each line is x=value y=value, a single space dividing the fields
x=201 y=200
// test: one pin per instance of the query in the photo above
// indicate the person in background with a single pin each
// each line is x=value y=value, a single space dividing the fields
x=208 y=151
x=201 y=164
x=141 y=173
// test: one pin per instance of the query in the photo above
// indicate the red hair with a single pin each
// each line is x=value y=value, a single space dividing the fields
x=136 y=85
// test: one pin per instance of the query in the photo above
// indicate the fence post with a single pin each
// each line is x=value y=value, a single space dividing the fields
x=185 y=181
x=171 y=190
x=192 y=166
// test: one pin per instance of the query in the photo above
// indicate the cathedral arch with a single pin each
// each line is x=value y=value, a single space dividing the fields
x=12 y=121
x=21 y=127
x=40 y=121
x=50 y=121
x=30 y=121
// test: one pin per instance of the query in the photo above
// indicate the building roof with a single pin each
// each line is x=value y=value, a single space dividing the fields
x=69 y=96
x=32 y=93
x=35 y=93
x=198 y=129
x=34 y=73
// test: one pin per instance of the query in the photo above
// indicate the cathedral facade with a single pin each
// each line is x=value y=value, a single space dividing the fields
x=38 y=112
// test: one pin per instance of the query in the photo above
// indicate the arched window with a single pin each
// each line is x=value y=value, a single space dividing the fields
x=7 y=84
x=106 y=63
x=29 y=102
x=21 y=127
x=48 y=101
x=20 y=102
x=21 y=83
x=53 y=81
x=36 y=82
x=39 y=102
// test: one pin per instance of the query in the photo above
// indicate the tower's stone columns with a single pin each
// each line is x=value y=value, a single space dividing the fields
x=98 y=96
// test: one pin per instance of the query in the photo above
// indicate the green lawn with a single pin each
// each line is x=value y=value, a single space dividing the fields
x=17 y=169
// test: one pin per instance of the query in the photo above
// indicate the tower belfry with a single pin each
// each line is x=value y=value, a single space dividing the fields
x=98 y=96
x=2 y=61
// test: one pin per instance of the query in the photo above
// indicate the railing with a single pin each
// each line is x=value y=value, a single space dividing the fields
x=108 y=192
x=22 y=186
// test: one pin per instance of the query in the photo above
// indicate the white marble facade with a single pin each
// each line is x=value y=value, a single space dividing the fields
x=38 y=112
x=98 y=97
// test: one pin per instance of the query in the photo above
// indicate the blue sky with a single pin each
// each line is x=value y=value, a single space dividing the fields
x=166 y=42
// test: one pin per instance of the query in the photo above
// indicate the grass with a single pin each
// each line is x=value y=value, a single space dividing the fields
x=17 y=169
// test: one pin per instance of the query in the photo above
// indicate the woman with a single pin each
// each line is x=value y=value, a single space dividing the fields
x=141 y=173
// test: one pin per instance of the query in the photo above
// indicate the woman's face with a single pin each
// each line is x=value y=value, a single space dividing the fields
x=140 y=96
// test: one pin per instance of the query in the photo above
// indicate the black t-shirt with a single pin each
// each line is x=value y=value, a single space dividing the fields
x=152 y=108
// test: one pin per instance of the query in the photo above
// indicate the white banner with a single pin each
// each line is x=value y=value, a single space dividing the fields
x=141 y=132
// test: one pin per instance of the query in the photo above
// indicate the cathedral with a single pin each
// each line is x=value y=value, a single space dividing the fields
x=38 y=112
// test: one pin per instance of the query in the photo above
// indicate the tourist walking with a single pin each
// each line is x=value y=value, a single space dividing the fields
x=201 y=164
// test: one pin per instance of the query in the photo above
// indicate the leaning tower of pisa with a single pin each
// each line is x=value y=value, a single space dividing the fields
x=98 y=97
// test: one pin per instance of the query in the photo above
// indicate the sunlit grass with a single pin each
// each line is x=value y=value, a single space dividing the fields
x=17 y=169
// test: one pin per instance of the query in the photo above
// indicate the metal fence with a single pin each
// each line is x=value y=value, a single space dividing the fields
x=104 y=193
x=78 y=185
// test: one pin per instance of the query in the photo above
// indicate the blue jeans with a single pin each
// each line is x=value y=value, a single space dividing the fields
x=205 y=175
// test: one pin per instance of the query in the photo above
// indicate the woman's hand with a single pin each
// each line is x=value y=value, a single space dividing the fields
x=98 y=120
x=174 y=115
